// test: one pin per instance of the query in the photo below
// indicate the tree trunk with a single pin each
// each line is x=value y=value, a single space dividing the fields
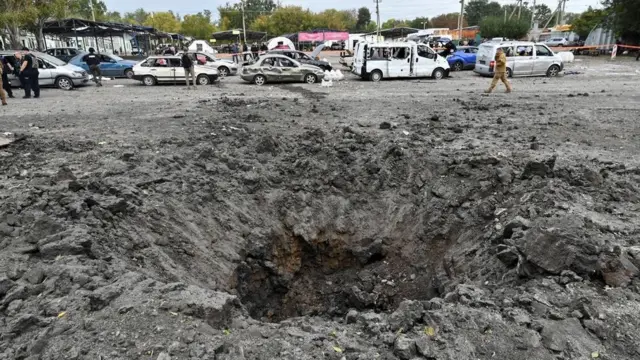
x=40 y=39
x=14 y=36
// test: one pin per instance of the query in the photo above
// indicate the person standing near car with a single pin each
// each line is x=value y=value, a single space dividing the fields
x=254 y=50
x=189 y=69
x=500 y=72
x=93 y=60
x=234 y=52
x=6 y=69
x=28 y=73
x=3 y=96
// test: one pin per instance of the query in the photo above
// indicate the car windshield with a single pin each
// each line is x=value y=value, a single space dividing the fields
x=50 y=59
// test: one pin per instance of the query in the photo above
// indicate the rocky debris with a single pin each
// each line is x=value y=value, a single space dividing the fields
x=404 y=347
x=541 y=168
x=616 y=268
x=569 y=337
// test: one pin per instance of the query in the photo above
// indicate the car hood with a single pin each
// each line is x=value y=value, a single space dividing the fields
x=72 y=67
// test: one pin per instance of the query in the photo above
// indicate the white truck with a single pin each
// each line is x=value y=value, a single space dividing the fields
x=377 y=61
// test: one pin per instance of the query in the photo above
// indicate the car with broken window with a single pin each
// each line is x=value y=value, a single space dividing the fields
x=225 y=67
x=160 y=69
x=377 y=61
x=52 y=71
x=65 y=53
x=279 y=68
x=524 y=58
x=299 y=56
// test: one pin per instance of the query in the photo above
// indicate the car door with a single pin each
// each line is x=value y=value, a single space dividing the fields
x=543 y=58
x=71 y=54
x=270 y=69
x=400 y=62
x=287 y=67
x=45 y=73
x=521 y=58
x=108 y=66
x=425 y=61
x=161 y=70
x=177 y=71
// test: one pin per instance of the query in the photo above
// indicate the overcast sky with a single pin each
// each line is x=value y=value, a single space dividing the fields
x=398 y=9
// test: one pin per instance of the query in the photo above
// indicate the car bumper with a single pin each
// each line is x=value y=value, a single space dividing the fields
x=137 y=77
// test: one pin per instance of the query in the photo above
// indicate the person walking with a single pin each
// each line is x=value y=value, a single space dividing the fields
x=3 y=96
x=189 y=69
x=500 y=72
x=254 y=50
x=6 y=68
x=93 y=60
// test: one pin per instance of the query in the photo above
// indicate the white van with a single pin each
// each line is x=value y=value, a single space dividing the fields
x=376 y=61
x=523 y=59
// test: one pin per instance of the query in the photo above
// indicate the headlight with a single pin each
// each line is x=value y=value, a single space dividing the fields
x=79 y=74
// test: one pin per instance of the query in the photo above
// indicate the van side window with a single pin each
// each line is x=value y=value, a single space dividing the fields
x=508 y=51
x=378 y=53
x=524 y=51
x=400 y=53
x=542 y=51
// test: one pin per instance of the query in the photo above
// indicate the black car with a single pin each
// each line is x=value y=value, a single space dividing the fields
x=304 y=58
x=65 y=54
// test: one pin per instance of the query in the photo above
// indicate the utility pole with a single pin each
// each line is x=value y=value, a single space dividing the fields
x=244 y=27
x=424 y=25
x=519 y=8
x=93 y=13
x=505 y=14
x=378 y=19
x=564 y=2
x=533 y=14
x=460 y=20
x=559 y=18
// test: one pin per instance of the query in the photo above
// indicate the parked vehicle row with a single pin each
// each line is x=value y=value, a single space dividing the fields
x=53 y=71
x=523 y=59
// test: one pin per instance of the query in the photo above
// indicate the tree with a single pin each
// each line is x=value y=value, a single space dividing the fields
x=113 y=16
x=41 y=11
x=449 y=21
x=13 y=15
x=587 y=21
x=138 y=17
x=286 y=20
x=476 y=10
x=164 y=21
x=624 y=18
x=496 y=26
x=364 y=18
x=334 y=19
x=198 y=26
x=542 y=14
x=87 y=9
x=252 y=9
x=419 y=23
x=393 y=23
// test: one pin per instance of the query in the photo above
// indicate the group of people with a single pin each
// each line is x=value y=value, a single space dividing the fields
x=243 y=48
x=26 y=69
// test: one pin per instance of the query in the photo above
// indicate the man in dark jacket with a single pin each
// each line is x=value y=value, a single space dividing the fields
x=189 y=69
x=29 y=73
x=449 y=48
x=93 y=61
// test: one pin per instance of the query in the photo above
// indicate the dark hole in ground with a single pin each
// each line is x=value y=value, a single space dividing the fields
x=286 y=276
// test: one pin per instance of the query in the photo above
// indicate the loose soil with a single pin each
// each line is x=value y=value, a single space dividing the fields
x=413 y=219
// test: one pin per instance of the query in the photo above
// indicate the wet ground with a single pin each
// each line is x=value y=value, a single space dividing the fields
x=394 y=220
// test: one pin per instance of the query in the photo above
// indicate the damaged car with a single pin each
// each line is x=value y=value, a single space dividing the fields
x=279 y=68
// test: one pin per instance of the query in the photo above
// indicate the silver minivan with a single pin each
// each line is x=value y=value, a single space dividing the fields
x=523 y=59
x=53 y=72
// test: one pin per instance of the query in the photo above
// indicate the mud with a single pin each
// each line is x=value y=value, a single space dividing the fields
x=397 y=220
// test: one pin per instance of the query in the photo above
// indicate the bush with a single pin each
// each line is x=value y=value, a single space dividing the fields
x=496 y=26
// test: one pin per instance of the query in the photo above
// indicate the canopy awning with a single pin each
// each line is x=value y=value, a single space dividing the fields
x=395 y=33
x=73 y=26
x=230 y=35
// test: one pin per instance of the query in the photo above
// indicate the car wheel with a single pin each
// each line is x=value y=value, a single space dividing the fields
x=560 y=45
x=310 y=79
x=64 y=83
x=509 y=73
x=223 y=71
x=553 y=71
x=458 y=66
x=128 y=73
x=149 y=80
x=375 y=76
x=259 y=80
x=438 y=74
x=203 y=80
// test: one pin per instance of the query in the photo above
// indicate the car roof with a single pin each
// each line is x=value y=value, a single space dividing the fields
x=164 y=57
x=268 y=55
x=466 y=47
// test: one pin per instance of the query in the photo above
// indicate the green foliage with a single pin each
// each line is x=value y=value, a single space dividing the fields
x=476 y=10
x=364 y=19
x=231 y=14
x=496 y=26
x=198 y=26
x=449 y=21
x=393 y=23
x=420 y=23
x=587 y=21
x=624 y=19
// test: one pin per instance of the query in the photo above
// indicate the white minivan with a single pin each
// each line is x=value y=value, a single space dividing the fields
x=523 y=59
x=377 y=61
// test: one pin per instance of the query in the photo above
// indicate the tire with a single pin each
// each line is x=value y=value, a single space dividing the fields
x=375 y=76
x=560 y=45
x=259 y=80
x=509 y=73
x=128 y=73
x=203 y=80
x=553 y=71
x=438 y=74
x=223 y=71
x=310 y=79
x=458 y=66
x=64 y=83
x=148 y=80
